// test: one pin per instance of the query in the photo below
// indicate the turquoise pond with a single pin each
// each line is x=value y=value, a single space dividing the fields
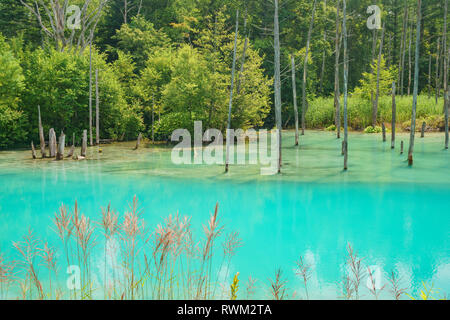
x=396 y=217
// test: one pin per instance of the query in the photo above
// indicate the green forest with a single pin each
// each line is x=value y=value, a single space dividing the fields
x=159 y=65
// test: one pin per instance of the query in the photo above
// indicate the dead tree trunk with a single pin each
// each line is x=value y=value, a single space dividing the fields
x=305 y=68
x=344 y=30
x=383 y=128
x=402 y=67
x=294 y=94
x=446 y=89
x=437 y=68
x=33 y=150
x=61 y=144
x=429 y=77
x=422 y=131
x=230 y=105
x=409 y=60
x=416 y=84
x=41 y=134
x=84 y=144
x=401 y=147
x=377 y=94
x=322 y=72
x=337 y=103
x=153 y=119
x=97 y=110
x=138 y=142
x=52 y=143
x=277 y=82
x=244 y=53
x=90 y=95
x=394 y=116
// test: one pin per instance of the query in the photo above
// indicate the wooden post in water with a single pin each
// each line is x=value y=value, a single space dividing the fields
x=424 y=126
x=61 y=144
x=33 y=151
x=52 y=142
x=394 y=116
x=72 y=148
x=383 y=128
x=41 y=134
x=84 y=144
x=138 y=142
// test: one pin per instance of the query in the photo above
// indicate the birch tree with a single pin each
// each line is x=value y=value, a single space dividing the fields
x=416 y=84
x=377 y=94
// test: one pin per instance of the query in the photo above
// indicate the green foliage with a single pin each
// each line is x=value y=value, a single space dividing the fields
x=12 y=119
x=368 y=83
x=331 y=128
x=163 y=129
x=321 y=112
x=371 y=129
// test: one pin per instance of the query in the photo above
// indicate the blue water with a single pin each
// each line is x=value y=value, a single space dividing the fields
x=392 y=224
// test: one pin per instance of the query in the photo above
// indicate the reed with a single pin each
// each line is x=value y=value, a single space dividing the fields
x=278 y=288
x=304 y=271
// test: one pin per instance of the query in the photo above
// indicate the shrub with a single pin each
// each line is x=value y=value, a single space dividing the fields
x=371 y=129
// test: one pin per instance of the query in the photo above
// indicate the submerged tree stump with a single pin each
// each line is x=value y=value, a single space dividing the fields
x=33 y=151
x=61 y=144
x=138 y=142
x=383 y=126
x=84 y=144
x=401 y=147
x=41 y=134
x=424 y=126
x=52 y=143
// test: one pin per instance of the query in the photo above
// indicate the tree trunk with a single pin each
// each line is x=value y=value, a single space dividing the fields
x=394 y=116
x=97 y=110
x=61 y=144
x=33 y=150
x=41 y=134
x=403 y=49
x=383 y=128
x=377 y=94
x=437 y=68
x=344 y=30
x=52 y=143
x=429 y=77
x=90 y=95
x=409 y=60
x=84 y=144
x=294 y=94
x=446 y=89
x=416 y=84
x=72 y=148
x=277 y=82
x=230 y=105
x=305 y=68
x=323 y=55
x=244 y=52
x=422 y=132
x=153 y=119
x=337 y=103
x=138 y=142
x=401 y=147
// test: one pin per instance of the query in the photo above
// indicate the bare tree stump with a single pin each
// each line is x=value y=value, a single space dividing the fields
x=84 y=144
x=33 y=151
x=61 y=144
x=401 y=147
x=383 y=126
x=424 y=126
x=41 y=134
x=52 y=143
x=138 y=142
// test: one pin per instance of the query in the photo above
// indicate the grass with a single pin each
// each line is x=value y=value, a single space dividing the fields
x=320 y=113
x=161 y=264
